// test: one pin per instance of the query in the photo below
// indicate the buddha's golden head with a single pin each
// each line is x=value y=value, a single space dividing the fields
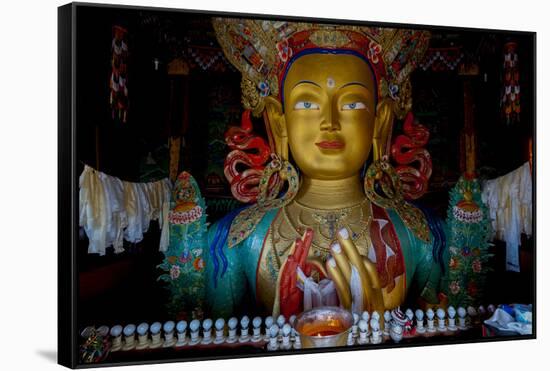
x=328 y=92
x=326 y=113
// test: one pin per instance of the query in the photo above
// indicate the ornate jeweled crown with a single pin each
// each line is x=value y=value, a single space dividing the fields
x=262 y=49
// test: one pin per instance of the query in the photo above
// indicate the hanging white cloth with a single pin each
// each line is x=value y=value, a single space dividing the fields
x=116 y=213
x=93 y=210
x=163 y=216
x=133 y=201
x=509 y=199
x=111 y=210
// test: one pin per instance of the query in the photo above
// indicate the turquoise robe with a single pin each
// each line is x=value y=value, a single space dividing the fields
x=230 y=273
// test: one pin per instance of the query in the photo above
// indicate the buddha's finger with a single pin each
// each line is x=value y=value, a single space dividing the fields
x=373 y=273
x=305 y=243
x=292 y=247
x=371 y=298
x=354 y=258
x=341 y=284
x=341 y=260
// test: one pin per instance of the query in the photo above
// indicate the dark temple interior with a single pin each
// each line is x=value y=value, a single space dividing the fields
x=463 y=82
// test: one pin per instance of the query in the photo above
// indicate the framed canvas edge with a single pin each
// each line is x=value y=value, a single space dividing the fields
x=67 y=206
x=67 y=184
x=302 y=18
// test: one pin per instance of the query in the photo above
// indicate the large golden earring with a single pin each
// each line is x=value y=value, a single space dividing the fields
x=383 y=187
x=267 y=198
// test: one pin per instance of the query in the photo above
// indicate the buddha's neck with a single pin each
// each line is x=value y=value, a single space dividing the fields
x=330 y=194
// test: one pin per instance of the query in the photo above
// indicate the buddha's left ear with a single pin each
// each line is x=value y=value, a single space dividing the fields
x=383 y=124
x=276 y=126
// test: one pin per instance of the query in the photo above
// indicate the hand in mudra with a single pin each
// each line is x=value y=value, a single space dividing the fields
x=291 y=297
x=355 y=277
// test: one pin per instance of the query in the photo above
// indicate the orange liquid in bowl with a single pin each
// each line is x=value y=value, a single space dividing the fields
x=323 y=329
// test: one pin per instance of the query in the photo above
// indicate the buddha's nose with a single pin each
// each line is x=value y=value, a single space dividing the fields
x=330 y=123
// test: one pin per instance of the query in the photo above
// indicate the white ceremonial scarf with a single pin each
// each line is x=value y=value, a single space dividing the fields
x=509 y=200
x=112 y=210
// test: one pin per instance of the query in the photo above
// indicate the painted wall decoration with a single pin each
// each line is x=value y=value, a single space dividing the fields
x=442 y=59
x=469 y=233
x=118 y=82
x=183 y=263
x=510 y=103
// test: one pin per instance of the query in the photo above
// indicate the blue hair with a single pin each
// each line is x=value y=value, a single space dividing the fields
x=220 y=237
x=435 y=223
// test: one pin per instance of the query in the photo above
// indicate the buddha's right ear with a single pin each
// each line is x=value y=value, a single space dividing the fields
x=276 y=126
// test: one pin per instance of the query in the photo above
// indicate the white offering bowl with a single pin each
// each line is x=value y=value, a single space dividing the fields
x=324 y=327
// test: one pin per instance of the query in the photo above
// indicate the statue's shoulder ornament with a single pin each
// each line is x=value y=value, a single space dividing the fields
x=244 y=224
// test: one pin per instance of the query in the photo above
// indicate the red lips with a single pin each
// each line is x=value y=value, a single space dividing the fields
x=330 y=144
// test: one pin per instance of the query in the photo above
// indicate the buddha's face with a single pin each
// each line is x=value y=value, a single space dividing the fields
x=329 y=112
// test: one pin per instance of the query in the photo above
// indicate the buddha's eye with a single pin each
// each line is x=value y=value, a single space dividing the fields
x=353 y=106
x=306 y=105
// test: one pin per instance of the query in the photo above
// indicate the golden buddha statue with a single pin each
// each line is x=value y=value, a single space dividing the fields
x=328 y=95
x=329 y=123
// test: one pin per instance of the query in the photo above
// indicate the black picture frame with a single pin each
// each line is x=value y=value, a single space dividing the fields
x=68 y=43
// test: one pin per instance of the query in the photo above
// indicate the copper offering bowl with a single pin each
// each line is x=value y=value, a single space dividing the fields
x=324 y=327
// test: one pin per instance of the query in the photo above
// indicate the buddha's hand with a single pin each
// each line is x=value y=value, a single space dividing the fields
x=355 y=277
x=291 y=296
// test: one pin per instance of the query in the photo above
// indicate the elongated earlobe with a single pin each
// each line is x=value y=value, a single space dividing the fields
x=383 y=124
x=276 y=125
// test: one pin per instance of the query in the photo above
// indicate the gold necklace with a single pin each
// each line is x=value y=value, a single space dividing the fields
x=334 y=219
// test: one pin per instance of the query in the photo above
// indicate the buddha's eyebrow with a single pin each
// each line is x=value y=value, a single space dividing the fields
x=353 y=83
x=306 y=82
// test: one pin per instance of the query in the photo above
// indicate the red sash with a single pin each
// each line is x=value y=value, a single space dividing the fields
x=383 y=237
